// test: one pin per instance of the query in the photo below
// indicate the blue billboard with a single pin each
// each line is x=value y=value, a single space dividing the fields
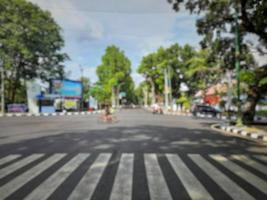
x=66 y=88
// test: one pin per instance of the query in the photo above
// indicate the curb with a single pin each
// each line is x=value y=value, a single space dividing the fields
x=238 y=131
x=50 y=114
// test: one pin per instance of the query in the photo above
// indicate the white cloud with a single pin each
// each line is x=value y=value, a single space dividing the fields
x=71 y=20
x=138 y=27
x=137 y=78
x=75 y=72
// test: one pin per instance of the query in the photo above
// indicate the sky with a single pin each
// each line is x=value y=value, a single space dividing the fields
x=137 y=27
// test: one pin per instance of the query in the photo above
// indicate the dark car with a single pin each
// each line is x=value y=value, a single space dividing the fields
x=205 y=110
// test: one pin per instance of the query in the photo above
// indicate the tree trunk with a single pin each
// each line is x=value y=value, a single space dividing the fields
x=153 y=100
x=113 y=97
x=250 y=105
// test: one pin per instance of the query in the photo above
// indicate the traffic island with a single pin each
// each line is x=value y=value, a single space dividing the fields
x=249 y=132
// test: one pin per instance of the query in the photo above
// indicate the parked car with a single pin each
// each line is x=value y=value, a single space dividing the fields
x=206 y=110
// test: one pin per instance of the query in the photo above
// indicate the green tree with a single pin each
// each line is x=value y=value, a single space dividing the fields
x=30 y=43
x=113 y=73
x=218 y=15
x=217 y=25
x=86 y=87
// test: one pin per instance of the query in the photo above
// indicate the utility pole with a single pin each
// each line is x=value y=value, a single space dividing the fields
x=166 y=88
x=2 y=88
x=81 y=104
x=237 y=66
x=170 y=86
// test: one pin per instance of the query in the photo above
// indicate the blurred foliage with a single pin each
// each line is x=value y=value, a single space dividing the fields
x=113 y=73
x=30 y=45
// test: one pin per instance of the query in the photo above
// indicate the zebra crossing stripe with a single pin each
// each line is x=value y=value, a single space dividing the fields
x=87 y=185
x=260 y=167
x=239 y=171
x=231 y=188
x=51 y=184
x=21 y=180
x=122 y=187
x=9 y=158
x=192 y=185
x=157 y=185
x=262 y=158
x=17 y=165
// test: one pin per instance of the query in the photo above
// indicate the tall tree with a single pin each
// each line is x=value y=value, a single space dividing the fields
x=217 y=25
x=30 y=43
x=218 y=15
x=113 y=72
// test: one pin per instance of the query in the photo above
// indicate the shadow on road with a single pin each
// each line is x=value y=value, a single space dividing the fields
x=139 y=139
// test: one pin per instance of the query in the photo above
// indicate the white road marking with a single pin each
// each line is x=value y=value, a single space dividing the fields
x=17 y=165
x=157 y=185
x=262 y=158
x=21 y=180
x=192 y=185
x=51 y=184
x=260 y=167
x=239 y=171
x=87 y=185
x=230 y=187
x=122 y=188
x=9 y=158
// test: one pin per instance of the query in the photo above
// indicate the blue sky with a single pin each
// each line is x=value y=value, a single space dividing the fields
x=138 y=27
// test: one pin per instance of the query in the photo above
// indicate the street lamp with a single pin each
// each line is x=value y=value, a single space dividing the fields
x=81 y=70
x=237 y=66
x=2 y=87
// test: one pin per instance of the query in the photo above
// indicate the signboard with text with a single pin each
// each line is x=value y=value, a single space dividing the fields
x=66 y=88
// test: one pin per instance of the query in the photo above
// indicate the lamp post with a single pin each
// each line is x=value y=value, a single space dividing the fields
x=237 y=67
x=2 y=87
x=166 y=89
x=81 y=70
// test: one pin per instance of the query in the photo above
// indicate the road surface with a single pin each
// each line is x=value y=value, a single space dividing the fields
x=143 y=156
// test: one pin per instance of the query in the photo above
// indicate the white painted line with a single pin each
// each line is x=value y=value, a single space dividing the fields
x=86 y=187
x=262 y=158
x=8 y=158
x=69 y=113
x=236 y=130
x=50 y=185
x=192 y=185
x=24 y=178
x=19 y=164
x=54 y=114
x=228 y=128
x=157 y=185
x=254 y=135
x=260 y=167
x=122 y=187
x=239 y=171
x=244 y=133
x=230 y=187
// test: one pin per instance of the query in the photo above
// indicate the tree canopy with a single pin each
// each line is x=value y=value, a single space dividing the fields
x=114 y=75
x=30 y=43
x=218 y=23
